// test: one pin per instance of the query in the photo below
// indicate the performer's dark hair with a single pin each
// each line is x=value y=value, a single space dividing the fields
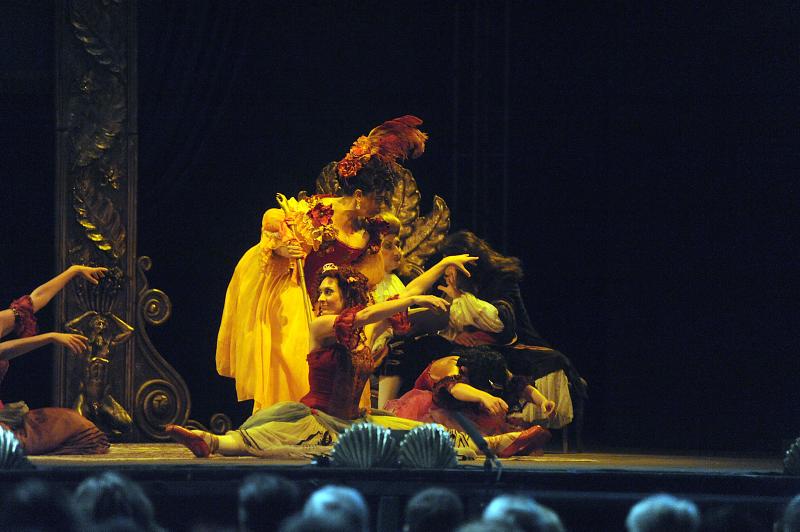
x=484 y=364
x=491 y=264
x=353 y=285
x=375 y=176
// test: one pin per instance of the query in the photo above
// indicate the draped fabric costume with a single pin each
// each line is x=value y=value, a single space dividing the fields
x=528 y=354
x=263 y=337
x=46 y=430
x=430 y=401
x=337 y=375
x=497 y=316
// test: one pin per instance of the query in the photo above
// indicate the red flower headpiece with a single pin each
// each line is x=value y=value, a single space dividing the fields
x=392 y=140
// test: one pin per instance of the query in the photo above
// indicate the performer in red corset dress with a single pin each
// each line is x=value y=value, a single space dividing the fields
x=46 y=430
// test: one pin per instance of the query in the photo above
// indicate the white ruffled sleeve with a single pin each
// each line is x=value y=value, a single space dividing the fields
x=467 y=310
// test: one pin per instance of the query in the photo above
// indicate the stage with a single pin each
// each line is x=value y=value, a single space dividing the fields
x=590 y=490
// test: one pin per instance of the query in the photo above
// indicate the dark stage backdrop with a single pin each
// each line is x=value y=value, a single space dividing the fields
x=641 y=162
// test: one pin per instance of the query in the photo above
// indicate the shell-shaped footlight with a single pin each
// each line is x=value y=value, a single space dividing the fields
x=791 y=462
x=12 y=455
x=428 y=447
x=365 y=445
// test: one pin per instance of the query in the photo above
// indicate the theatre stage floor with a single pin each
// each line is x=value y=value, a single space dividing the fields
x=169 y=454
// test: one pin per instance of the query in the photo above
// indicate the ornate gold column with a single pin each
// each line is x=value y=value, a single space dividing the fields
x=123 y=384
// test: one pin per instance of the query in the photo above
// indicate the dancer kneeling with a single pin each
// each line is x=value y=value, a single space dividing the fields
x=48 y=430
x=340 y=363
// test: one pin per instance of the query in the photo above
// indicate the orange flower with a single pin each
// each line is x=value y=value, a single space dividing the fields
x=321 y=214
x=348 y=167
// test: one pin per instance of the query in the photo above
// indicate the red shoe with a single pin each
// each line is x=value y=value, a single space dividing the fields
x=192 y=441
x=530 y=441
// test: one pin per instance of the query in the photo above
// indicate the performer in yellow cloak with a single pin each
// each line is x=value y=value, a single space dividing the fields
x=263 y=338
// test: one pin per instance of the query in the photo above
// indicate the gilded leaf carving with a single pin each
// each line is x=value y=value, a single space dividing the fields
x=425 y=235
x=99 y=218
x=405 y=199
x=94 y=27
x=96 y=126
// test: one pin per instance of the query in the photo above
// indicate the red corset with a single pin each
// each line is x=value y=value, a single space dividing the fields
x=336 y=383
x=337 y=374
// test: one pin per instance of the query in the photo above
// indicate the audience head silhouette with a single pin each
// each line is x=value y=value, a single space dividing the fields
x=663 y=513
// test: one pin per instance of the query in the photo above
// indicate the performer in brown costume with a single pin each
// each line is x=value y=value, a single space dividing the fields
x=46 y=430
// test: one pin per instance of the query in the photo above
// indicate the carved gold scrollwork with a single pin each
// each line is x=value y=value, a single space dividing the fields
x=157 y=404
x=158 y=401
x=219 y=424
x=156 y=306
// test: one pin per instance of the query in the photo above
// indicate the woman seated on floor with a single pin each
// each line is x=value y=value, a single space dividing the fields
x=46 y=430
x=340 y=363
x=474 y=381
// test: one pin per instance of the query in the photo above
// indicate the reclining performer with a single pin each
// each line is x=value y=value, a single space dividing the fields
x=487 y=309
x=423 y=401
x=46 y=430
x=340 y=363
x=474 y=381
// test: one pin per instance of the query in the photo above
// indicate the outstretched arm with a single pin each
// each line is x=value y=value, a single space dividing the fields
x=43 y=294
x=381 y=311
x=447 y=368
x=14 y=348
x=322 y=326
x=468 y=393
x=425 y=280
x=6 y=322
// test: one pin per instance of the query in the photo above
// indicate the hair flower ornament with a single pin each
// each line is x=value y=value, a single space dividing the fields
x=321 y=214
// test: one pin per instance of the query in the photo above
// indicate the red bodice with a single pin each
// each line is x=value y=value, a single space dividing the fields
x=24 y=326
x=425 y=381
x=337 y=374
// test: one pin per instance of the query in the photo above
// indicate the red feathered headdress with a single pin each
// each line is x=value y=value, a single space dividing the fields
x=392 y=140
